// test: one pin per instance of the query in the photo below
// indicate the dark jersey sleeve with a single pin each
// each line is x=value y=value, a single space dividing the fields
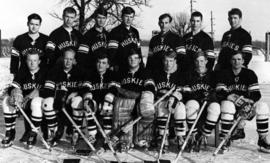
x=50 y=84
x=209 y=49
x=15 y=57
x=247 y=48
x=253 y=87
x=113 y=45
x=50 y=49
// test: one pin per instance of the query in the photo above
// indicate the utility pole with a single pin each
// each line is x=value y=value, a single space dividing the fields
x=191 y=6
x=212 y=26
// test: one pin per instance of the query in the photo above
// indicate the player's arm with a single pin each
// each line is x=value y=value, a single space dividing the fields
x=113 y=45
x=50 y=49
x=15 y=58
x=253 y=88
x=50 y=84
x=83 y=51
x=247 y=48
x=209 y=50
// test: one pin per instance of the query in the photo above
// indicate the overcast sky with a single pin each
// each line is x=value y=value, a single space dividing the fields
x=256 y=15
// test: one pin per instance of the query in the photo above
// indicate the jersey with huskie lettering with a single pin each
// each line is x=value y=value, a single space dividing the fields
x=22 y=45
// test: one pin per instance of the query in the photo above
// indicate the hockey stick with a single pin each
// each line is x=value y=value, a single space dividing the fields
x=190 y=132
x=107 y=140
x=33 y=127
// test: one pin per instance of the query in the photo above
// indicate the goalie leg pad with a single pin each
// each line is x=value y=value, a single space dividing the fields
x=10 y=114
x=147 y=104
x=213 y=112
x=49 y=112
x=162 y=114
x=180 y=118
x=36 y=115
x=192 y=108
x=122 y=114
x=262 y=119
x=227 y=116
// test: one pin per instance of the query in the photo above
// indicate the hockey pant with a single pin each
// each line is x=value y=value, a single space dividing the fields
x=228 y=111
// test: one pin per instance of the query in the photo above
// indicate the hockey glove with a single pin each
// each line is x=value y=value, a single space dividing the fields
x=147 y=108
x=16 y=97
x=173 y=100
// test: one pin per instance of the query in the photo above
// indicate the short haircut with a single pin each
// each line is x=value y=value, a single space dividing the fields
x=128 y=10
x=238 y=52
x=102 y=54
x=34 y=52
x=170 y=54
x=200 y=53
x=34 y=16
x=101 y=11
x=197 y=14
x=69 y=49
x=235 y=11
x=69 y=10
x=166 y=15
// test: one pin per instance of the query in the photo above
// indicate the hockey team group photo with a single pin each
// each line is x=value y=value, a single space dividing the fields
x=135 y=81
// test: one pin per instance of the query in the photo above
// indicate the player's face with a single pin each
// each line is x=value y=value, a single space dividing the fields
x=128 y=19
x=134 y=61
x=101 y=20
x=237 y=61
x=169 y=63
x=200 y=62
x=196 y=23
x=69 y=19
x=33 y=26
x=165 y=24
x=102 y=65
x=32 y=61
x=235 y=21
x=69 y=59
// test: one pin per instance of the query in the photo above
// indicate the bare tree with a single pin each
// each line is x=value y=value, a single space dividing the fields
x=86 y=9
x=180 y=23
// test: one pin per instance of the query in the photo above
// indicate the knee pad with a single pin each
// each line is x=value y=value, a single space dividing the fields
x=192 y=107
x=35 y=106
x=180 y=111
x=47 y=104
x=227 y=110
x=262 y=109
x=213 y=111
x=162 y=109
x=7 y=108
x=76 y=102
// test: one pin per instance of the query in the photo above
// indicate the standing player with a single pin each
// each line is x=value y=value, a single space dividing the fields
x=166 y=79
x=239 y=81
x=201 y=80
x=166 y=40
x=32 y=39
x=122 y=38
x=236 y=39
x=198 y=41
x=63 y=37
x=94 y=40
x=68 y=77
x=24 y=92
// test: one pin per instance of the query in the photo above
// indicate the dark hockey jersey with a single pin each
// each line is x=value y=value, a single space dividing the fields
x=163 y=43
x=71 y=80
x=201 y=86
x=200 y=42
x=244 y=84
x=165 y=81
x=99 y=84
x=59 y=40
x=120 y=41
x=235 y=40
x=93 y=41
x=27 y=81
x=21 y=45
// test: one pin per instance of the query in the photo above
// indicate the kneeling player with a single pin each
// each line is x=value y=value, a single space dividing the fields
x=69 y=78
x=166 y=79
x=202 y=83
x=239 y=81
x=24 y=93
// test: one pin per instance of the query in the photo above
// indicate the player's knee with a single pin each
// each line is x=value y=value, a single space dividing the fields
x=7 y=108
x=76 y=102
x=192 y=107
x=213 y=111
x=262 y=108
x=162 y=109
x=227 y=109
x=47 y=104
x=35 y=106
x=180 y=111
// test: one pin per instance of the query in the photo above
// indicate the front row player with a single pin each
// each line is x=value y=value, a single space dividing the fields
x=25 y=92
x=239 y=81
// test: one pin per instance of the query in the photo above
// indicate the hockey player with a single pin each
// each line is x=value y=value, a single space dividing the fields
x=25 y=92
x=236 y=39
x=163 y=42
x=202 y=82
x=32 y=39
x=68 y=77
x=239 y=81
x=135 y=86
x=94 y=40
x=122 y=38
x=171 y=76
x=63 y=37
x=198 y=41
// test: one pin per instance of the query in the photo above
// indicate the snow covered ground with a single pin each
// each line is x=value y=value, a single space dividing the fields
x=241 y=151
